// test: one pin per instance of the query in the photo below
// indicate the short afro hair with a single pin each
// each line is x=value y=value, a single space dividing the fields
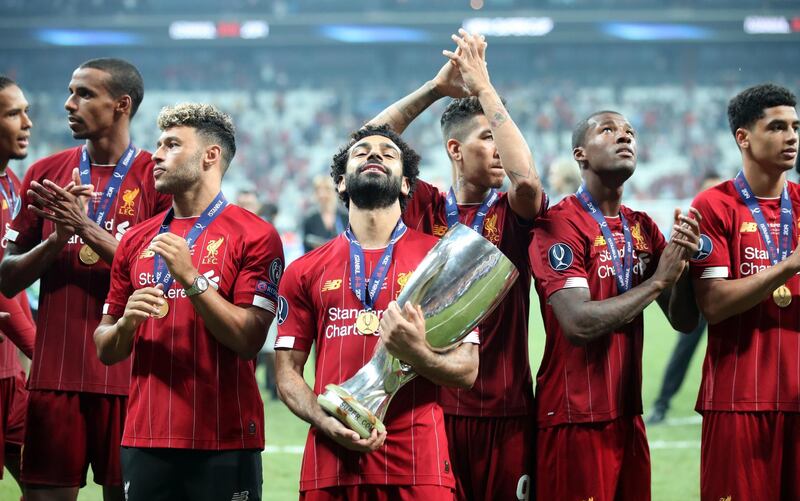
x=579 y=132
x=124 y=79
x=214 y=126
x=6 y=82
x=410 y=159
x=747 y=107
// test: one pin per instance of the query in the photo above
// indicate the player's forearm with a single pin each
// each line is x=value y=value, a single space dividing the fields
x=401 y=113
x=19 y=329
x=113 y=339
x=102 y=242
x=297 y=395
x=683 y=313
x=19 y=270
x=721 y=299
x=525 y=194
x=587 y=321
x=458 y=368
x=239 y=329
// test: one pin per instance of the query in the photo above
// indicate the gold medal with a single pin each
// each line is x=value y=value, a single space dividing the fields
x=782 y=296
x=88 y=256
x=367 y=323
x=162 y=310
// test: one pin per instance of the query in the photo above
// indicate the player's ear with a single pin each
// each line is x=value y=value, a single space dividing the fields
x=124 y=104
x=579 y=154
x=405 y=186
x=212 y=156
x=742 y=138
x=340 y=186
x=454 y=149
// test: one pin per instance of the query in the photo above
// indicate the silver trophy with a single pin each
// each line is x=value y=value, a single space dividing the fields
x=461 y=280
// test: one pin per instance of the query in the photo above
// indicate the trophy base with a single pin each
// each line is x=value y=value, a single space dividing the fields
x=344 y=407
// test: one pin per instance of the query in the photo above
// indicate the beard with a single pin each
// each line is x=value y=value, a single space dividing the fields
x=370 y=191
x=18 y=156
x=181 y=177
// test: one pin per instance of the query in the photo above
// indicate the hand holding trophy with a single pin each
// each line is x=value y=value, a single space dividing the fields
x=458 y=284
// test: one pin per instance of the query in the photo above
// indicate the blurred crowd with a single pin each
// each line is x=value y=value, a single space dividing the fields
x=286 y=137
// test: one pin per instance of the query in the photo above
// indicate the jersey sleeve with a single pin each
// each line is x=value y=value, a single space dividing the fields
x=25 y=230
x=19 y=326
x=713 y=258
x=419 y=206
x=296 y=319
x=120 y=286
x=557 y=253
x=657 y=242
x=262 y=268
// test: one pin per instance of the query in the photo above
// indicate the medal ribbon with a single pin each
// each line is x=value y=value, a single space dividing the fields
x=749 y=199
x=14 y=201
x=622 y=271
x=367 y=293
x=214 y=209
x=451 y=208
x=98 y=215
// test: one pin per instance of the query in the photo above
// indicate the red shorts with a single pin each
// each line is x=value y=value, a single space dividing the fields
x=750 y=455
x=13 y=401
x=68 y=431
x=599 y=461
x=379 y=493
x=492 y=457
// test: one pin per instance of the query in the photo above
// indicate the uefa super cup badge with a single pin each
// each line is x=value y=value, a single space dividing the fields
x=367 y=323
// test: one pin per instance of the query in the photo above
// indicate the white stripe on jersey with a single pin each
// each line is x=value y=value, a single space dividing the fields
x=284 y=342
x=715 y=272
x=264 y=304
x=576 y=283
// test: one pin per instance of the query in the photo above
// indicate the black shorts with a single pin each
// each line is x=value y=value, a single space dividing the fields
x=185 y=474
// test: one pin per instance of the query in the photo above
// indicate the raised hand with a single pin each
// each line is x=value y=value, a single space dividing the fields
x=470 y=60
x=177 y=257
x=448 y=82
x=686 y=231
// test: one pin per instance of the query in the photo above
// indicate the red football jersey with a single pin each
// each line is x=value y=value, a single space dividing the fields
x=602 y=380
x=188 y=391
x=19 y=328
x=72 y=293
x=504 y=386
x=753 y=359
x=317 y=305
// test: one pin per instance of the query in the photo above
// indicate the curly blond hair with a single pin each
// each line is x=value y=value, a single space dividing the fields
x=215 y=126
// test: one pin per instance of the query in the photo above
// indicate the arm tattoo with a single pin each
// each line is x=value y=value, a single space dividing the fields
x=498 y=119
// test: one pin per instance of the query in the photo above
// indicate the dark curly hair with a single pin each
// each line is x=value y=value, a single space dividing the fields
x=747 y=107
x=410 y=159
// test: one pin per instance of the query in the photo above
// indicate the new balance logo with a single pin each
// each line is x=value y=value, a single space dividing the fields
x=241 y=496
x=127 y=486
x=331 y=285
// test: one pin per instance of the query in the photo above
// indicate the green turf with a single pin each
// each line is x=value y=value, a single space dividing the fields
x=674 y=447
